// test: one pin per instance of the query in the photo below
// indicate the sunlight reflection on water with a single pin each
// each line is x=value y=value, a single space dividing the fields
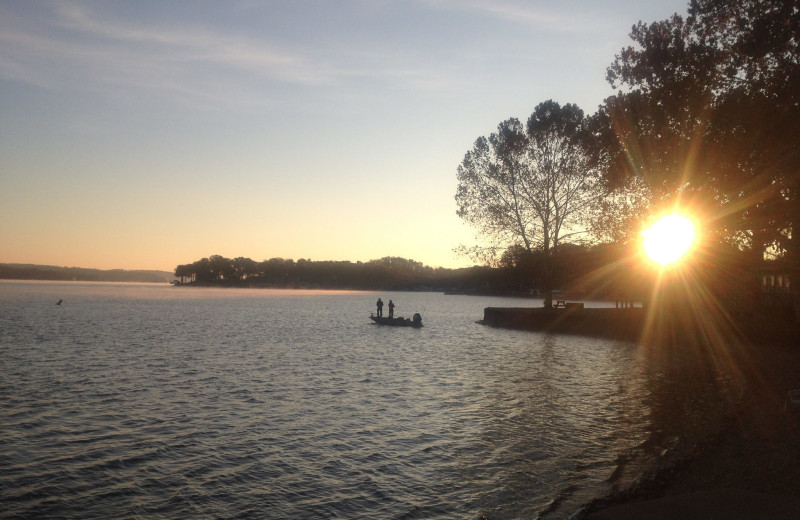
x=148 y=400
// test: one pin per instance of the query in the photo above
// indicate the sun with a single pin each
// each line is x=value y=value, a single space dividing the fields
x=669 y=239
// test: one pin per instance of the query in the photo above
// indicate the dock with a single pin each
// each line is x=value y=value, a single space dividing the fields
x=623 y=324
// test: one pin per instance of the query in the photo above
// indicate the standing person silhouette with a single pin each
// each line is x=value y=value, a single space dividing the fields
x=380 y=307
x=391 y=309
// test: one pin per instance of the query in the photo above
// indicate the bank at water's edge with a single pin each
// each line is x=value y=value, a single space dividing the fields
x=724 y=439
x=664 y=325
x=735 y=453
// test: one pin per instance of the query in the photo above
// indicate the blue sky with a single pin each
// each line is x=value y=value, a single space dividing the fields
x=141 y=135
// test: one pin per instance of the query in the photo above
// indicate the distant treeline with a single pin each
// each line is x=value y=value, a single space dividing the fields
x=518 y=273
x=79 y=274
x=387 y=273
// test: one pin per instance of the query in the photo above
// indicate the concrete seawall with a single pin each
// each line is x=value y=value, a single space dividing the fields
x=624 y=324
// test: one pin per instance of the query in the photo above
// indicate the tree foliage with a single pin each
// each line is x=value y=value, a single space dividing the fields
x=531 y=185
x=709 y=113
x=387 y=273
x=518 y=271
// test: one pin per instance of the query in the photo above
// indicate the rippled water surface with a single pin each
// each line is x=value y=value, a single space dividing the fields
x=149 y=401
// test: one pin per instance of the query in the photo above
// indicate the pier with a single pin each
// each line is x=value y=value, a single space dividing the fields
x=623 y=324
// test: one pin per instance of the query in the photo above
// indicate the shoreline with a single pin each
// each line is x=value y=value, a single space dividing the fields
x=724 y=442
x=735 y=454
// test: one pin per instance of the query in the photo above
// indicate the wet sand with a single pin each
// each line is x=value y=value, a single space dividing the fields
x=725 y=444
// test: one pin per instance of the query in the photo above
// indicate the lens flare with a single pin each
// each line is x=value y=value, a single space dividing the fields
x=669 y=239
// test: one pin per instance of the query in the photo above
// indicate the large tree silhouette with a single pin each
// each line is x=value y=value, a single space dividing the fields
x=709 y=113
x=530 y=186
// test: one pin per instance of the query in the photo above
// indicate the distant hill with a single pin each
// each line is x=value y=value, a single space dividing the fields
x=79 y=274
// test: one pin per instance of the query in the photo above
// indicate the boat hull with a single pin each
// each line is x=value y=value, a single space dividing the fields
x=396 y=322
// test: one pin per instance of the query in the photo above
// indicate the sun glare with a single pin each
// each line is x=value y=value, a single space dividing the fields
x=669 y=239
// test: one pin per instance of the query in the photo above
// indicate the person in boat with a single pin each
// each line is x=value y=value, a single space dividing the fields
x=380 y=307
x=391 y=309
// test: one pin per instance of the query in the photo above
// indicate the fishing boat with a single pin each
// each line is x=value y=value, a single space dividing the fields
x=398 y=321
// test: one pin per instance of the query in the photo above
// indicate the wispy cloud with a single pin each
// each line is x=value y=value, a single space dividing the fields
x=517 y=12
x=74 y=47
x=555 y=17
x=195 y=45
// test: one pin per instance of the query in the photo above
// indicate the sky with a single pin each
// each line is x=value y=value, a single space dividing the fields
x=148 y=134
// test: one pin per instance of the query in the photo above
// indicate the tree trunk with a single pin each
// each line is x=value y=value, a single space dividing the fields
x=547 y=283
x=793 y=254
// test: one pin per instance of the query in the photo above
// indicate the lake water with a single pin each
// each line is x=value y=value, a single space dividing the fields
x=151 y=401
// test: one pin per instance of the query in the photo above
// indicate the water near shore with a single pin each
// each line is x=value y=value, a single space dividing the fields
x=150 y=401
